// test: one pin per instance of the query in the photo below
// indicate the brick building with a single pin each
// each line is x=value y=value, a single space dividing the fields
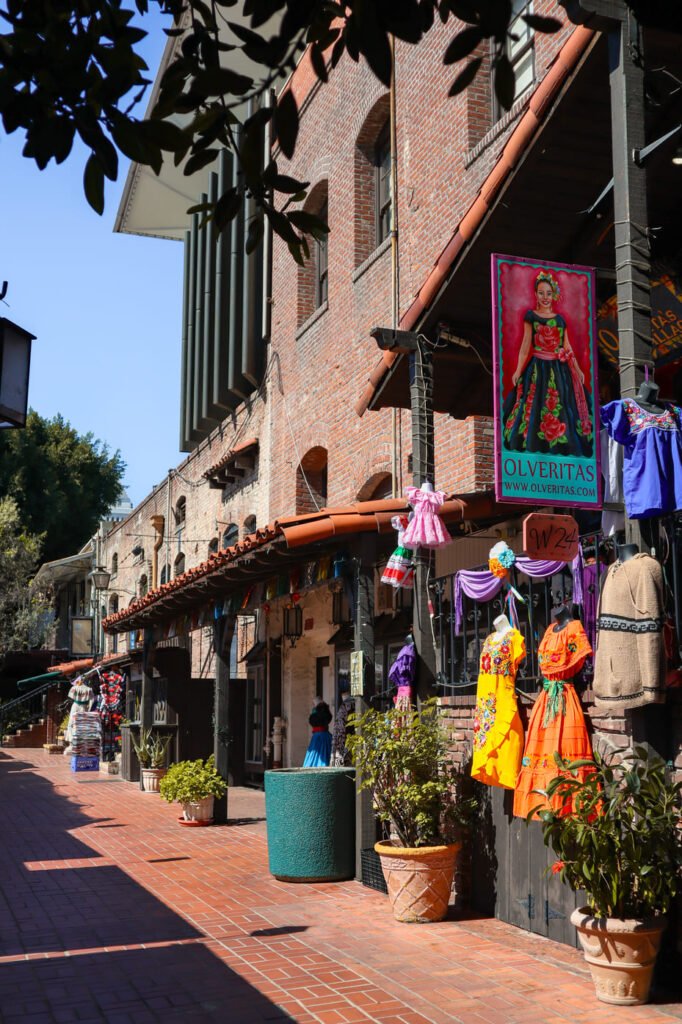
x=470 y=181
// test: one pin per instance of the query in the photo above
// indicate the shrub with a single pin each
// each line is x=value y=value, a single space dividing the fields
x=191 y=781
x=151 y=748
x=402 y=757
x=621 y=841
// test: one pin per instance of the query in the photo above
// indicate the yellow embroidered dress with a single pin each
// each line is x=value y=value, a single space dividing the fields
x=498 y=733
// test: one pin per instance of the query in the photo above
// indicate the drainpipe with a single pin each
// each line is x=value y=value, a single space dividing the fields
x=158 y=523
x=168 y=513
x=395 y=266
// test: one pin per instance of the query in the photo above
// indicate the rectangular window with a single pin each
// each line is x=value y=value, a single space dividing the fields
x=254 y=715
x=520 y=50
x=384 y=216
x=321 y=263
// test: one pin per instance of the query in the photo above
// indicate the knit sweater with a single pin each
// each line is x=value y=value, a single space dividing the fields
x=629 y=668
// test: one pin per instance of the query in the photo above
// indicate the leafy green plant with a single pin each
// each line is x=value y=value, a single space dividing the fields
x=151 y=748
x=191 y=781
x=403 y=758
x=617 y=833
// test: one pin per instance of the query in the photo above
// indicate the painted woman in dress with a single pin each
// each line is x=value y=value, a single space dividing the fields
x=549 y=407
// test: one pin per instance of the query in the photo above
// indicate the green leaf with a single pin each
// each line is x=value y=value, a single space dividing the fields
x=227 y=208
x=462 y=45
x=286 y=123
x=465 y=77
x=218 y=81
x=165 y=134
x=284 y=183
x=93 y=184
x=200 y=160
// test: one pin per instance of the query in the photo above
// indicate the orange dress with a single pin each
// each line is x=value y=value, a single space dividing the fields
x=557 y=723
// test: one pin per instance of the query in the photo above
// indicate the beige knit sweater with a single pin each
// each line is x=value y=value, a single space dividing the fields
x=629 y=668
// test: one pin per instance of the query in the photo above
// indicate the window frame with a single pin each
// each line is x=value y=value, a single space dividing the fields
x=383 y=192
x=322 y=261
x=515 y=58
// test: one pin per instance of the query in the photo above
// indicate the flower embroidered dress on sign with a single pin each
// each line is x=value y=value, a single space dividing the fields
x=652 y=466
x=557 y=724
x=549 y=410
x=498 y=733
x=399 y=571
x=630 y=665
x=426 y=528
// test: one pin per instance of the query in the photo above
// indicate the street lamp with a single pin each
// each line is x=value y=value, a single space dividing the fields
x=99 y=578
x=15 y=362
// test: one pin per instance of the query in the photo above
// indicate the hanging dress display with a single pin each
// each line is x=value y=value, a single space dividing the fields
x=83 y=697
x=401 y=675
x=426 y=528
x=319 y=749
x=630 y=665
x=652 y=464
x=498 y=733
x=557 y=723
x=399 y=571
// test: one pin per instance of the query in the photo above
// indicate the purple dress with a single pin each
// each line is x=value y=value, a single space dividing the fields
x=652 y=467
x=401 y=674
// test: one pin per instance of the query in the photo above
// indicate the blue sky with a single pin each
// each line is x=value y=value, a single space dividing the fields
x=106 y=308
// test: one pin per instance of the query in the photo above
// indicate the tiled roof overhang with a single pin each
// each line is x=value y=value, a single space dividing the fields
x=284 y=543
x=519 y=141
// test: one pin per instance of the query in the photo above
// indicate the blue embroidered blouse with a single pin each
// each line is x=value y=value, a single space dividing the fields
x=652 y=465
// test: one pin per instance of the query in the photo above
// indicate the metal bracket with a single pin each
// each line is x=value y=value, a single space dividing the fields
x=529 y=905
x=551 y=914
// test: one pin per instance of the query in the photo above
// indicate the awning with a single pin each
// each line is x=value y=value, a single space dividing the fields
x=283 y=545
x=256 y=653
x=233 y=464
x=63 y=570
x=35 y=681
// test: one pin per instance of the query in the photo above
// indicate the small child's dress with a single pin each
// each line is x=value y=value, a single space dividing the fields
x=557 y=724
x=498 y=733
x=399 y=571
x=426 y=528
x=319 y=750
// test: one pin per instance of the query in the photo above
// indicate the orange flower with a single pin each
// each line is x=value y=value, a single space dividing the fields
x=557 y=866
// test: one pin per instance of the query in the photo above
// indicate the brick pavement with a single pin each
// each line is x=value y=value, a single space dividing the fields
x=110 y=912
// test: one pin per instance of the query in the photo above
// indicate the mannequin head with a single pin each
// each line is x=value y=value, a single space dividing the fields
x=648 y=393
x=626 y=551
x=427 y=486
x=561 y=617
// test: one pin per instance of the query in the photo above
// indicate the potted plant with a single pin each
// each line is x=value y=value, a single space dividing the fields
x=617 y=836
x=151 y=751
x=195 y=785
x=402 y=757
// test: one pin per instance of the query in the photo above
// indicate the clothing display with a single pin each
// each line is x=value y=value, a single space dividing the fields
x=342 y=730
x=110 y=699
x=83 y=698
x=630 y=664
x=319 y=749
x=86 y=734
x=426 y=528
x=612 y=473
x=399 y=571
x=498 y=733
x=557 y=723
x=549 y=409
x=401 y=675
x=652 y=465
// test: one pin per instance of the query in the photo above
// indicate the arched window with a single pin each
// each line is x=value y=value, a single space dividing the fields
x=376 y=488
x=180 y=511
x=313 y=275
x=114 y=564
x=165 y=574
x=143 y=585
x=230 y=535
x=372 y=185
x=179 y=564
x=213 y=546
x=311 y=481
x=249 y=525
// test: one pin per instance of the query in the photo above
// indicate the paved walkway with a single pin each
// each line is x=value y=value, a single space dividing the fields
x=110 y=912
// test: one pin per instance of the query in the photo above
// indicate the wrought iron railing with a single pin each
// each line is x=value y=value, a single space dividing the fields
x=24 y=710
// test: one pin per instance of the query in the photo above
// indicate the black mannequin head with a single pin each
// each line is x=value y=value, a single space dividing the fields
x=409 y=639
x=561 y=617
x=648 y=394
x=627 y=551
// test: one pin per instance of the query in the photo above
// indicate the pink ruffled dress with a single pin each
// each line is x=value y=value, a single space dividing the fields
x=426 y=528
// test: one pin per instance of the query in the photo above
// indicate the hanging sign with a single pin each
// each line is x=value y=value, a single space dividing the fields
x=357 y=673
x=550 y=538
x=545 y=381
x=666 y=323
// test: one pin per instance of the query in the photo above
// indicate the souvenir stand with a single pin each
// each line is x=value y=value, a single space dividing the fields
x=94 y=729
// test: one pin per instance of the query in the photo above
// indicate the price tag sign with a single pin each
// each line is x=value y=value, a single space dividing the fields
x=550 y=537
x=357 y=674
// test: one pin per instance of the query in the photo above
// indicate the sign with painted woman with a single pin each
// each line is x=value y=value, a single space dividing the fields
x=545 y=379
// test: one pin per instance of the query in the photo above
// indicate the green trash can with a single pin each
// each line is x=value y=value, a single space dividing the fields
x=310 y=817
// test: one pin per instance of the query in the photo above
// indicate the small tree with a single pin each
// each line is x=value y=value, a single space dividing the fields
x=24 y=610
x=403 y=758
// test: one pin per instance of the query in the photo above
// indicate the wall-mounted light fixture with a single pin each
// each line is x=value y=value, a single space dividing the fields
x=293 y=623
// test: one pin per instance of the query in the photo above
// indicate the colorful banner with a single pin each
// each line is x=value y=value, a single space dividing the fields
x=545 y=381
x=666 y=324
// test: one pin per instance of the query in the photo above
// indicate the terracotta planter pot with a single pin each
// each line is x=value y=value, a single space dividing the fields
x=151 y=777
x=620 y=954
x=200 y=810
x=419 y=880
